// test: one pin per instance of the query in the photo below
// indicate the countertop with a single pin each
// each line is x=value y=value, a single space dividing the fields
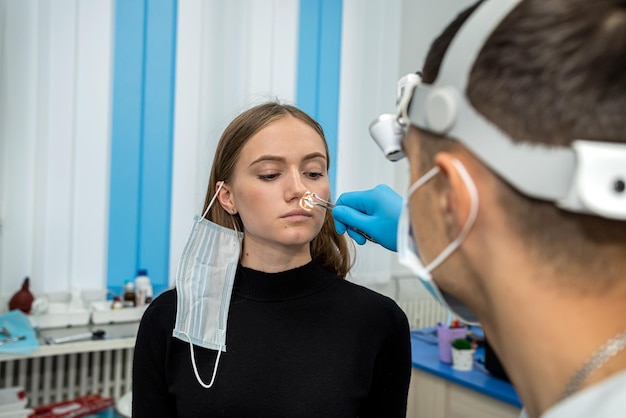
x=425 y=357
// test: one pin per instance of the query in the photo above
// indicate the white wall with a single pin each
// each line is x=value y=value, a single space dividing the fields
x=3 y=145
x=54 y=135
x=369 y=71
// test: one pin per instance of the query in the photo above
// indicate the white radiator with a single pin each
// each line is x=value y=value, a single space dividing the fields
x=423 y=312
x=56 y=376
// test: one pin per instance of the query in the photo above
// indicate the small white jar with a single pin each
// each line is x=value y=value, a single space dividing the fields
x=143 y=288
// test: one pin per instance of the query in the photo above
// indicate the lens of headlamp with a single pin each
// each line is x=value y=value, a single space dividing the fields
x=388 y=134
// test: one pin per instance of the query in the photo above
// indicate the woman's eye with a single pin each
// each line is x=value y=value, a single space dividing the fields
x=268 y=177
x=315 y=175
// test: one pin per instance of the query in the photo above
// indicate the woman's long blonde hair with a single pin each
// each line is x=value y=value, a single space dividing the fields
x=328 y=248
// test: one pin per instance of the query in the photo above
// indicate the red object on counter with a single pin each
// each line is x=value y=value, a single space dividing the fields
x=22 y=299
x=75 y=408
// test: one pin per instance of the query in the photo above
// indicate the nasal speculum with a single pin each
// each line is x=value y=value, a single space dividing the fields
x=311 y=199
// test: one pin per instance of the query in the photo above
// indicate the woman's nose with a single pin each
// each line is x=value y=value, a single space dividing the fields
x=296 y=187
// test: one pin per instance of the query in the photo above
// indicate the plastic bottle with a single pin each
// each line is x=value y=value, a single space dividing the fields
x=129 y=294
x=143 y=288
x=76 y=302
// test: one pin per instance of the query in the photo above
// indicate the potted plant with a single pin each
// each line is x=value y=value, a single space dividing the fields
x=462 y=354
x=462 y=344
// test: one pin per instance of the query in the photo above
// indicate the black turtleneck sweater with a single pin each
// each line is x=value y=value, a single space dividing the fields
x=301 y=343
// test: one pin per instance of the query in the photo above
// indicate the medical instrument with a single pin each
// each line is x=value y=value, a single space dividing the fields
x=586 y=177
x=12 y=339
x=91 y=335
x=311 y=199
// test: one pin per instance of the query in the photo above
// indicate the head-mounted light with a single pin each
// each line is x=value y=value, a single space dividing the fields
x=587 y=177
x=389 y=129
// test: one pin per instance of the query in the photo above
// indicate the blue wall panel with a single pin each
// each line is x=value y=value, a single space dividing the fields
x=141 y=142
x=126 y=147
x=156 y=173
x=319 y=67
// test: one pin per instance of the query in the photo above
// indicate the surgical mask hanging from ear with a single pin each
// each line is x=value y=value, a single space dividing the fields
x=204 y=285
x=407 y=249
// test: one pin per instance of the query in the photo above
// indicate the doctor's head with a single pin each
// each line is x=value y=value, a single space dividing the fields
x=550 y=73
x=268 y=157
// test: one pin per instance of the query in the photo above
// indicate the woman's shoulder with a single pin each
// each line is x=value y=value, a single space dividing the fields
x=364 y=292
x=167 y=298
x=362 y=297
x=162 y=305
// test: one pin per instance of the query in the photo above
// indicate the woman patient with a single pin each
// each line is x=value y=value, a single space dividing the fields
x=262 y=321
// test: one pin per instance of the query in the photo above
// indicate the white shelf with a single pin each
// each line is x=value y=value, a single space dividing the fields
x=116 y=336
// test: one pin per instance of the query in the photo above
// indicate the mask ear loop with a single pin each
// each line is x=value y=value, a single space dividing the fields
x=195 y=368
x=219 y=352
x=213 y=199
x=471 y=218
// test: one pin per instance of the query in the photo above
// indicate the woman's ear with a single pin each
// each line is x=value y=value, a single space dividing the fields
x=225 y=197
x=455 y=199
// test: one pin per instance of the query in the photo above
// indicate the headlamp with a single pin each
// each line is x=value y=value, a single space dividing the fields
x=586 y=177
x=389 y=129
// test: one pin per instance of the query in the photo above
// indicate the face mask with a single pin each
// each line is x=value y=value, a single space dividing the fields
x=204 y=284
x=409 y=256
x=18 y=335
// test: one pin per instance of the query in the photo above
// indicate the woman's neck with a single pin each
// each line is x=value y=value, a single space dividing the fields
x=272 y=258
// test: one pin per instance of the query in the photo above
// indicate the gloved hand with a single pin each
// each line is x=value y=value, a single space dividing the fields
x=375 y=212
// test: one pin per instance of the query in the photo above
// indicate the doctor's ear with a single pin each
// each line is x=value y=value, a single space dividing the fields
x=456 y=200
x=225 y=198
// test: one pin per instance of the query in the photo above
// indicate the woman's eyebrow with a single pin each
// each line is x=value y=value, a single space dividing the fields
x=280 y=159
x=314 y=155
x=264 y=158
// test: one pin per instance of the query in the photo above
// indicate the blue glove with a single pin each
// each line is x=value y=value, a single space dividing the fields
x=374 y=212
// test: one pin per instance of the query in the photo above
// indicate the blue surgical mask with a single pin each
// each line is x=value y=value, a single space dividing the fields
x=408 y=254
x=204 y=285
x=19 y=336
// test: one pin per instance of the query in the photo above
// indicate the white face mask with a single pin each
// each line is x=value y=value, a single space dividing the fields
x=409 y=256
x=204 y=285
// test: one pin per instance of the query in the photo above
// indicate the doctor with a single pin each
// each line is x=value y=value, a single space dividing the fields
x=516 y=138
